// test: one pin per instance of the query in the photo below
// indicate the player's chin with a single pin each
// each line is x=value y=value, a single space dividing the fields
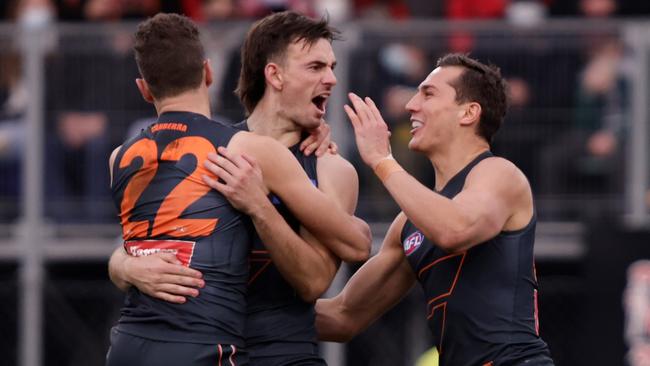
x=413 y=145
x=312 y=122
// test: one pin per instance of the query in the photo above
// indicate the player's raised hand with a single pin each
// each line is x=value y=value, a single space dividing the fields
x=242 y=185
x=370 y=130
x=162 y=276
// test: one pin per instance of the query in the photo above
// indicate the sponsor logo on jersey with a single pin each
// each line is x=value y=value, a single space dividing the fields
x=413 y=242
x=182 y=127
x=182 y=249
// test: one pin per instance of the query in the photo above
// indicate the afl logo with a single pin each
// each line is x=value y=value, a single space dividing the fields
x=412 y=242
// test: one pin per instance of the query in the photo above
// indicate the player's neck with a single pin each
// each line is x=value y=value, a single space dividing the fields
x=448 y=162
x=267 y=121
x=191 y=101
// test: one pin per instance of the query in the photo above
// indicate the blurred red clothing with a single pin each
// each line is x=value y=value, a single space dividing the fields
x=476 y=9
x=397 y=9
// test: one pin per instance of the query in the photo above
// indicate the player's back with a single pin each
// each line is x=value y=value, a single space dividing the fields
x=165 y=206
x=279 y=324
x=481 y=303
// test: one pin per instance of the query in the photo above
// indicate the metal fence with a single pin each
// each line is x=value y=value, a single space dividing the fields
x=70 y=99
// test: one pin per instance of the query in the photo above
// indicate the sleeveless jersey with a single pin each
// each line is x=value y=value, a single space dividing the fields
x=482 y=303
x=164 y=205
x=279 y=322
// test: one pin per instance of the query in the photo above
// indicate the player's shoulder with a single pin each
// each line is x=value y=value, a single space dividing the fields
x=335 y=165
x=500 y=174
x=245 y=141
x=498 y=167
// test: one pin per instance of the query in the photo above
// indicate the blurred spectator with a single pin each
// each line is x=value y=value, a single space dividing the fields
x=636 y=305
x=259 y=8
x=476 y=9
x=338 y=11
x=107 y=10
x=381 y=9
x=103 y=10
x=426 y=9
x=463 y=41
x=216 y=10
x=14 y=100
x=588 y=157
x=391 y=81
x=592 y=8
x=526 y=13
x=90 y=99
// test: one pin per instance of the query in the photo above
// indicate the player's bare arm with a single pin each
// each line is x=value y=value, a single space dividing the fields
x=284 y=177
x=376 y=287
x=339 y=179
x=111 y=161
x=159 y=275
x=302 y=261
x=496 y=196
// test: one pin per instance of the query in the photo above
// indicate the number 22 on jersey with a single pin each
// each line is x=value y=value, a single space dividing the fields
x=167 y=220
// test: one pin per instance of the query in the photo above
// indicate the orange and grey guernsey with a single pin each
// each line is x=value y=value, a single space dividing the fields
x=164 y=206
x=279 y=322
x=481 y=303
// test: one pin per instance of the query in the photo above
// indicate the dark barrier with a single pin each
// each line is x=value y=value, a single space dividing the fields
x=611 y=249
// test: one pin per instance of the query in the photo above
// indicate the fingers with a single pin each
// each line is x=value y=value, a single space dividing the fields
x=354 y=119
x=170 y=258
x=306 y=146
x=215 y=184
x=211 y=165
x=251 y=161
x=216 y=165
x=223 y=161
x=174 y=293
x=374 y=110
x=169 y=297
x=189 y=285
x=178 y=268
x=363 y=111
x=315 y=141
x=333 y=148
x=322 y=149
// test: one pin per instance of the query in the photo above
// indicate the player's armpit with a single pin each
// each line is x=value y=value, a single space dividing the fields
x=376 y=287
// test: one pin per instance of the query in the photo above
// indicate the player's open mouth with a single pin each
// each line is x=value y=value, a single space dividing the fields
x=320 y=102
x=415 y=125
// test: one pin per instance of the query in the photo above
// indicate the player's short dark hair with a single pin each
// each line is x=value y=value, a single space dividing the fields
x=169 y=54
x=482 y=84
x=268 y=39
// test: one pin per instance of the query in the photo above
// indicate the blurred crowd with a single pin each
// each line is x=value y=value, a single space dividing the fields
x=338 y=10
x=566 y=126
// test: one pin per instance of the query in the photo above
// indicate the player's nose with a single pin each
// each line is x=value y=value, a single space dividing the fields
x=329 y=78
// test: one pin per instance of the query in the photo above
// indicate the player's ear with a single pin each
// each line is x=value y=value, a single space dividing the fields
x=207 y=69
x=470 y=113
x=144 y=89
x=273 y=75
